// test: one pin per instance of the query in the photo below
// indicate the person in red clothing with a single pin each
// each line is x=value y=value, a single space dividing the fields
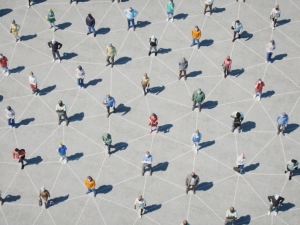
x=3 y=64
x=227 y=65
x=20 y=155
x=153 y=122
x=258 y=88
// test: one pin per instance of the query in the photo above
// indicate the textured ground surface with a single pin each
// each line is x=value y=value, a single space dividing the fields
x=118 y=178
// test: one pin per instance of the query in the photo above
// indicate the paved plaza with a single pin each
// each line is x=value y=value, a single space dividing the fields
x=118 y=177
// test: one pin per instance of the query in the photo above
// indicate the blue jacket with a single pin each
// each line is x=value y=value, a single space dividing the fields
x=282 y=120
x=130 y=14
x=62 y=150
x=196 y=137
x=110 y=101
x=90 y=22
x=148 y=159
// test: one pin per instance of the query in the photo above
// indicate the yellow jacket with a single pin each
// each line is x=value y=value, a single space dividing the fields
x=196 y=34
x=89 y=184
x=14 y=29
x=111 y=51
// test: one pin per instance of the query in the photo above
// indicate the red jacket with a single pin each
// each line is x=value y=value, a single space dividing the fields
x=153 y=120
x=3 y=61
x=259 y=86
x=18 y=154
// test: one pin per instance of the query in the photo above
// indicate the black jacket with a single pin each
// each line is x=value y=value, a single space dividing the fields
x=55 y=46
x=90 y=21
x=274 y=201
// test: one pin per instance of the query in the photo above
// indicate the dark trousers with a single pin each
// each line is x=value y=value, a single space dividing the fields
x=235 y=126
x=108 y=148
x=144 y=165
x=199 y=105
x=210 y=8
x=74 y=1
x=130 y=21
x=145 y=86
x=275 y=207
x=279 y=126
x=21 y=160
x=184 y=73
x=274 y=22
x=112 y=59
x=63 y=115
x=56 y=53
x=236 y=33
x=108 y=109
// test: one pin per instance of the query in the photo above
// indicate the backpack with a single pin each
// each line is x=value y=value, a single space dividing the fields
x=153 y=43
x=237 y=122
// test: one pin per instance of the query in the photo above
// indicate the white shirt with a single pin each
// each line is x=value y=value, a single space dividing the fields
x=141 y=204
x=192 y=181
x=32 y=80
x=240 y=160
x=63 y=107
x=9 y=114
x=80 y=73
x=209 y=2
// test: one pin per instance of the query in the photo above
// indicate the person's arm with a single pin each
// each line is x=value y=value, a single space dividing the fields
x=270 y=199
x=125 y=12
x=14 y=154
x=135 y=13
x=200 y=33
x=94 y=184
x=232 y=116
x=40 y=194
x=114 y=102
x=86 y=21
x=241 y=30
x=93 y=24
x=59 y=45
x=280 y=200
x=187 y=181
x=287 y=120
x=49 y=44
x=223 y=62
x=135 y=202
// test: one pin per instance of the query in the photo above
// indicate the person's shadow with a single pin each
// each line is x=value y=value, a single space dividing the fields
x=246 y=35
x=69 y=55
x=194 y=73
x=103 y=30
x=57 y=200
x=121 y=146
x=123 y=109
x=165 y=128
x=141 y=24
x=36 y=160
x=206 y=42
x=180 y=16
x=160 y=167
x=18 y=69
x=25 y=122
x=63 y=26
x=46 y=90
x=104 y=189
x=204 y=186
x=207 y=144
x=250 y=167
x=236 y=72
x=76 y=117
x=248 y=126
x=164 y=50
x=209 y=104
x=283 y=22
x=3 y=12
x=267 y=94
x=156 y=90
x=76 y=156
x=93 y=82
x=279 y=57
x=243 y=220
x=152 y=208
x=285 y=206
x=12 y=198
x=291 y=127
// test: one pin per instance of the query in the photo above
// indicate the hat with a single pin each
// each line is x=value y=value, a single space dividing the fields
x=8 y=108
x=53 y=41
x=43 y=189
x=276 y=197
x=79 y=67
x=13 y=22
x=259 y=79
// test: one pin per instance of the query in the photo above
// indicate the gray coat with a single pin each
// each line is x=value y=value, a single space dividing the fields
x=183 y=65
x=189 y=178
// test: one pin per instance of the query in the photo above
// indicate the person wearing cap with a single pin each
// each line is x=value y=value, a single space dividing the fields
x=196 y=35
x=141 y=204
x=191 y=180
x=55 y=46
x=291 y=166
x=275 y=201
x=51 y=19
x=275 y=14
x=61 y=110
x=10 y=116
x=20 y=155
x=62 y=151
x=90 y=22
x=185 y=222
x=196 y=138
x=282 y=122
x=271 y=46
x=80 y=75
x=259 y=84
x=238 y=117
x=170 y=10
x=74 y=1
x=145 y=83
x=130 y=14
x=240 y=162
x=208 y=3
x=14 y=29
x=146 y=163
x=107 y=140
x=183 y=65
x=237 y=28
x=153 y=45
x=153 y=122
x=3 y=64
x=227 y=65
x=45 y=195
x=197 y=98
x=30 y=2
x=111 y=52
x=231 y=216
x=109 y=101
x=33 y=83
x=90 y=185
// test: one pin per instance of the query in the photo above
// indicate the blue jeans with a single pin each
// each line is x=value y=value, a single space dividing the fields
x=196 y=40
x=132 y=21
x=269 y=55
x=91 y=29
x=11 y=122
x=80 y=82
x=92 y=190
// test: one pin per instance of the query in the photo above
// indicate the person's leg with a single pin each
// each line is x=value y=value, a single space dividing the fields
x=128 y=22
x=108 y=110
x=226 y=221
x=22 y=162
x=283 y=130
x=143 y=169
x=133 y=24
x=194 y=189
x=171 y=16
x=150 y=50
x=78 y=82
x=89 y=30
x=276 y=210
x=193 y=42
x=93 y=30
x=66 y=118
x=291 y=173
x=58 y=55
x=194 y=105
x=12 y=122
x=199 y=106
x=270 y=208
x=259 y=95
x=155 y=49
x=107 y=60
x=150 y=169
x=112 y=60
x=59 y=119
x=233 y=127
x=89 y=190
x=198 y=42
x=168 y=17
x=108 y=149
x=187 y=188
x=205 y=7
x=278 y=129
x=270 y=55
x=233 y=222
x=210 y=9
x=95 y=192
x=180 y=71
x=54 y=56
x=275 y=22
x=144 y=88
x=239 y=128
x=184 y=73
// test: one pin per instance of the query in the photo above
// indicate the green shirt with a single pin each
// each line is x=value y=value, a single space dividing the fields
x=107 y=138
x=170 y=7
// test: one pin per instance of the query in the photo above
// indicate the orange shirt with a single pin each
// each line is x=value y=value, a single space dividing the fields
x=89 y=184
x=259 y=86
x=196 y=34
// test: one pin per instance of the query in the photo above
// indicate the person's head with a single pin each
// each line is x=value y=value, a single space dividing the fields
x=1 y=56
x=237 y=21
x=31 y=73
x=60 y=102
x=196 y=28
x=283 y=114
x=140 y=198
x=130 y=8
x=107 y=96
x=259 y=80
x=185 y=222
x=238 y=115
x=183 y=59
x=147 y=153
x=89 y=15
x=59 y=144
x=79 y=67
x=13 y=22
x=153 y=114
x=272 y=42
x=152 y=37
x=197 y=131
x=89 y=178
x=294 y=161
x=243 y=154
x=110 y=45
x=53 y=41
x=276 y=7
x=43 y=189
x=17 y=150
x=199 y=90
x=8 y=108
x=276 y=197
x=50 y=10
x=171 y=1
x=231 y=209
x=193 y=174
x=145 y=75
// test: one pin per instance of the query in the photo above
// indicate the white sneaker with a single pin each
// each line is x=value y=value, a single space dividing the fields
x=28 y=6
x=172 y=19
x=196 y=151
x=3 y=71
x=7 y=74
x=53 y=60
x=258 y=99
x=275 y=213
x=59 y=61
x=273 y=28
x=11 y=127
x=269 y=213
x=61 y=159
x=168 y=19
x=140 y=216
x=254 y=96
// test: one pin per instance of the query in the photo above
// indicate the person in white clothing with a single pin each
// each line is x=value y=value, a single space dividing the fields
x=275 y=14
x=10 y=116
x=270 y=50
x=33 y=83
x=237 y=28
x=80 y=75
x=141 y=204
x=240 y=162
x=208 y=3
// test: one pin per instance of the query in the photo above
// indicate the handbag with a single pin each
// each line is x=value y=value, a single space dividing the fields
x=232 y=27
x=40 y=202
x=236 y=169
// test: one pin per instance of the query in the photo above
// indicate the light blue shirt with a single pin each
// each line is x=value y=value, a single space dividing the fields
x=282 y=120
x=110 y=102
x=130 y=14
x=238 y=27
x=196 y=137
x=147 y=159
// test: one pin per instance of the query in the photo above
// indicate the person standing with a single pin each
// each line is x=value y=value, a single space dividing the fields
x=259 y=84
x=141 y=204
x=61 y=110
x=237 y=28
x=130 y=14
x=74 y=1
x=55 y=46
x=111 y=52
x=109 y=101
x=275 y=201
x=196 y=35
x=238 y=117
x=275 y=14
x=90 y=184
x=231 y=216
x=30 y=2
x=20 y=155
x=51 y=19
x=80 y=75
x=62 y=151
x=227 y=65
x=45 y=195
x=3 y=64
x=291 y=166
x=197 y=98
x=106 y=138
x=145 y=83
x=170 y=10
x=282 y=121
x=196 y=138
x=146 y=163
x=153 y=122
x=90 y=22
x=208 y=3
x=10 y=116
x=270 y=50
x=183 y=65
x=14 y=29
x=191 y=180
x=240 y=162
x=185 y=222
x=33 y=84
x=153 y=45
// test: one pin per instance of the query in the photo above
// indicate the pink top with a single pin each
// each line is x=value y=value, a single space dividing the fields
x=227 y=62
x=270 y=47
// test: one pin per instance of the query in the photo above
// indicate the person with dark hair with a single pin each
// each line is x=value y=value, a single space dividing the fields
x=145 y=83
x=109 y=101
x=291 y=166
x=55 y=46
x=33 y=83
x=80 y=75
x=275 y=201
x=259 y=84
x=147 y=162
x=227 y=65
x=191 y=180
x=231 y=216
x=90 y=22
x=275 y=14
x=153 y=45
x=153 y=122
x=282 y=121
x=20 y=155
x=114 y=0
x=10 y=116
x=238 y=117
x=141 y=203
x=62 y=152
x=90 y=184
x=237 y=28
x=61 y=110
x=270 y=50
x=183 y=65
x=106 y=138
